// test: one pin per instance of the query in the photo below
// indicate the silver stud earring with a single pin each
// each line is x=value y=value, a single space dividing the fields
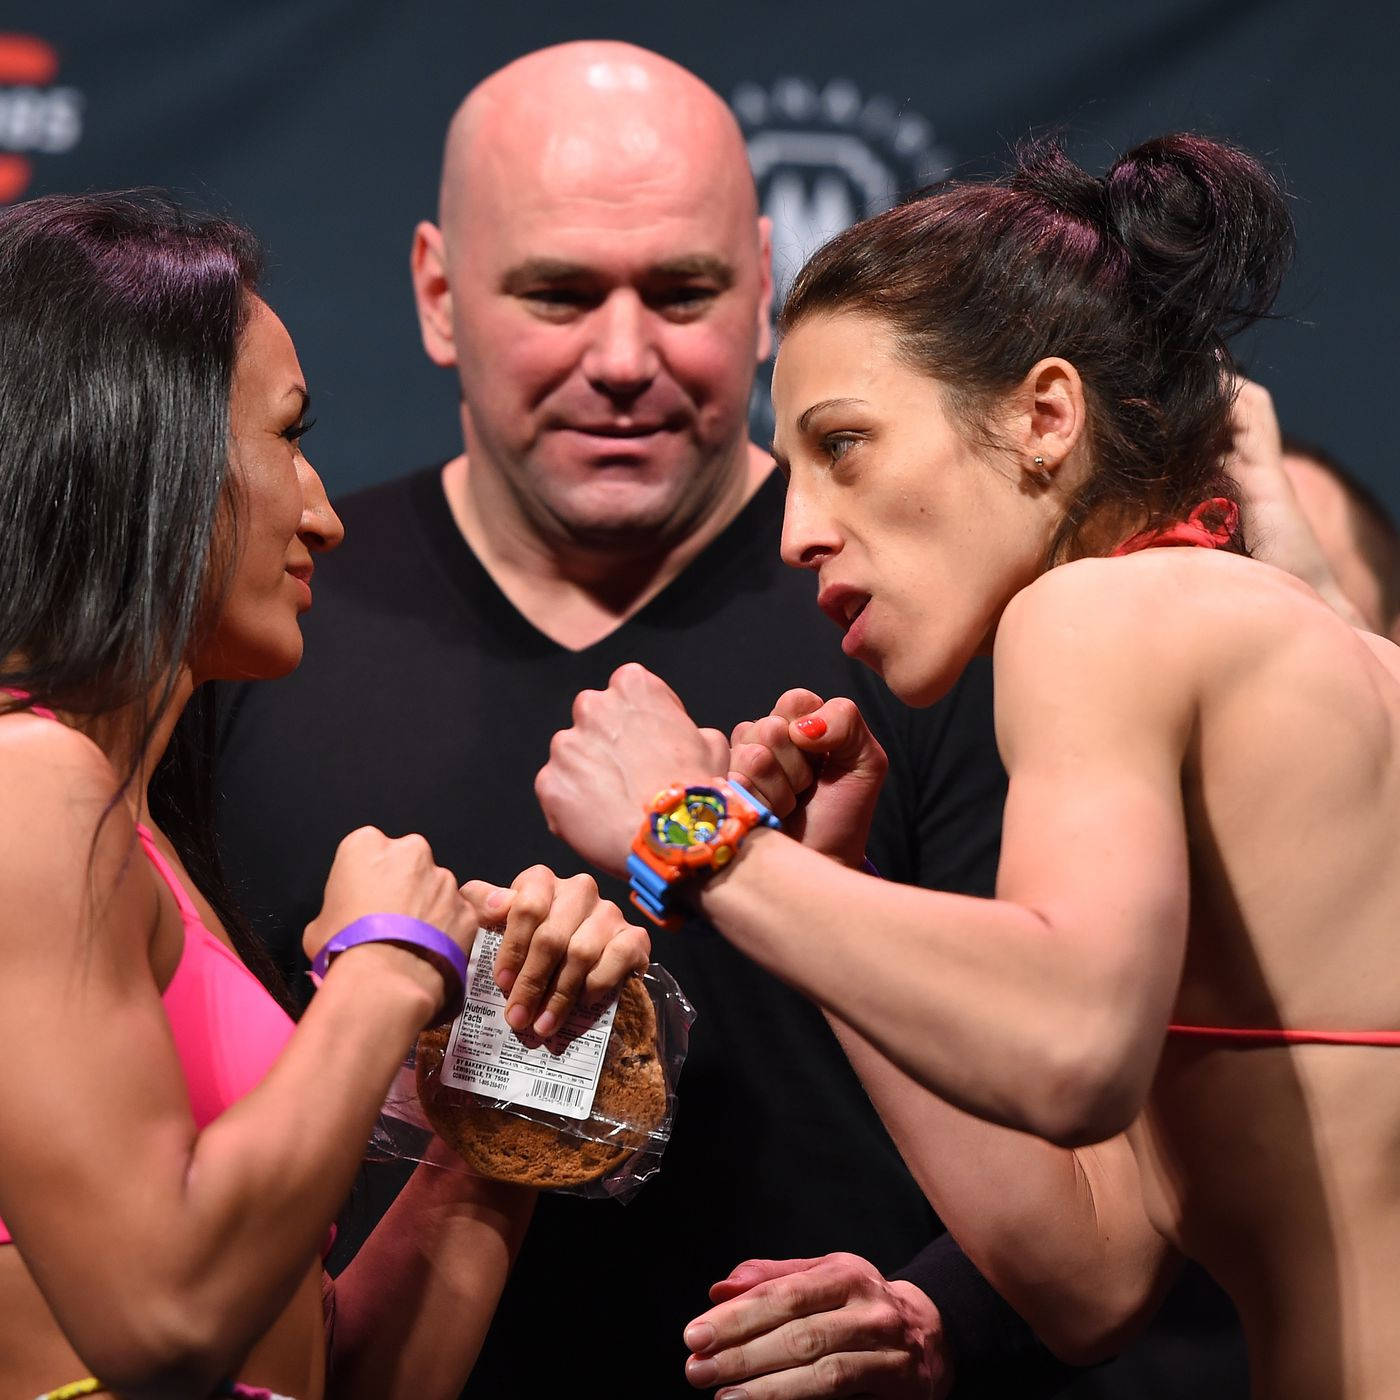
x=1040 y=475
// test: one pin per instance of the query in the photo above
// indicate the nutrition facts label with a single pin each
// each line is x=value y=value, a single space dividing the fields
x=485 y=1056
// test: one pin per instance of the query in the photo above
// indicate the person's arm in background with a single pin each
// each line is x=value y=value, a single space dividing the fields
x=938 y=1322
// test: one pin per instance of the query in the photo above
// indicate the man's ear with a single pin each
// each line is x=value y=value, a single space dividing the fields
x=1048 y=418
x=765 y=300
x=433 y=294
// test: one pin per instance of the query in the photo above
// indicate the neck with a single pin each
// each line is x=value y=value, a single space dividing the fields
x=574 y=593
x=118 y=737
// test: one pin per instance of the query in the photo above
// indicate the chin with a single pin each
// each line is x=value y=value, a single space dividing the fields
x=267 y=662
x=919 y=686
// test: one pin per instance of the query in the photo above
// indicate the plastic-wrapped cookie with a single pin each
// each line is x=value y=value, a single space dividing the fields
x=505 y=1146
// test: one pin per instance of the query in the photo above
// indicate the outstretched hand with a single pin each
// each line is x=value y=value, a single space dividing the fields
x=562 y=944
x=796 y=1329
x=818 y=766
x=626 y=743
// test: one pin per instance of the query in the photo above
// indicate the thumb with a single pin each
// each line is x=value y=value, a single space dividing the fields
x=838 y=733
x=491 y=903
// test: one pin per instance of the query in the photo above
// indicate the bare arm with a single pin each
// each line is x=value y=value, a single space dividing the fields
x=1062 y=1234
x=1044 y=1009
x=414 y=1306
x=204 y=1235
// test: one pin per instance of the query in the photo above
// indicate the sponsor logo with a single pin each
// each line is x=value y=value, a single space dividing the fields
x=37 y=118
x=823 y=158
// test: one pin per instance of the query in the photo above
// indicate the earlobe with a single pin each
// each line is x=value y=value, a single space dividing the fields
x=433 y=294
x=1053 y=394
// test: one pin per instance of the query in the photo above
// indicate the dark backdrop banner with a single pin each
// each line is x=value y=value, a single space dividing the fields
x=319 y=123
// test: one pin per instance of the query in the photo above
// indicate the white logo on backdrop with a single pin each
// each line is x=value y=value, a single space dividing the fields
x=822 y=158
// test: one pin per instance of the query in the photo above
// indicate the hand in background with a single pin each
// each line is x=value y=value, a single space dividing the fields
x=817 y=765
x=1278 y=528
x=794 y=1329
x=626 y=743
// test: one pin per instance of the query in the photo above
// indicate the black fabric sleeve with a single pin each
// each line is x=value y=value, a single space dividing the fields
x=995 y=1354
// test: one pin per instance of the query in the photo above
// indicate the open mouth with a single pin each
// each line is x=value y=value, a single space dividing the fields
x=843 y=605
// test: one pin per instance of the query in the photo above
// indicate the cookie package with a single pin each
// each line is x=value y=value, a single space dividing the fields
x=606 y=1148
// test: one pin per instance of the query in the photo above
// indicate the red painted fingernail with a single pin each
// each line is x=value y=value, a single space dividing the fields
x=813 y=726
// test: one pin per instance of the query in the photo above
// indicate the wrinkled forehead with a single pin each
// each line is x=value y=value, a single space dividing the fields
x=610 y=189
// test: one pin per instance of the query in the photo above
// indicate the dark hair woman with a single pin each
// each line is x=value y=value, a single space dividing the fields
x=1003 y=410
x=175 y=1149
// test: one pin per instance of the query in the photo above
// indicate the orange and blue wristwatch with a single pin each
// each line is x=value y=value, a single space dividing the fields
x=687 y=833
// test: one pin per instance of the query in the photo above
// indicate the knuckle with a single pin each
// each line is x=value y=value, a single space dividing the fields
x=771 y=730
x=809 y=1341
x=609 y=913
x=585 y=702
x=885 y=1320
x=550 y=943
x=787 y=1294
x=583 y=884
x=834 y=1370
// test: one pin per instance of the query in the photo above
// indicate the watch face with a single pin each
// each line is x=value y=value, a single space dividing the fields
x=693 y=821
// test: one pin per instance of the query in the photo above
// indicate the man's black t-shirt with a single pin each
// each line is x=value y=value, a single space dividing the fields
x=426 y=703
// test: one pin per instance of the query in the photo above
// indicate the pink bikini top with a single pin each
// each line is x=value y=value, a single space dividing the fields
x=227 y=1028
x=1195 y=531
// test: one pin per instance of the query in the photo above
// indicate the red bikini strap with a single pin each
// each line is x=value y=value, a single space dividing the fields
x=1193 y=530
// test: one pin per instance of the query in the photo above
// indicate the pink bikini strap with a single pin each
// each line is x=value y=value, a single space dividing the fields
x=187 y=910
x=1192 y=530
x=42 y=711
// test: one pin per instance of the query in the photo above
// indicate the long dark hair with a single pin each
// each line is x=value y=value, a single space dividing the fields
x=1138 y=279
x=120 y=318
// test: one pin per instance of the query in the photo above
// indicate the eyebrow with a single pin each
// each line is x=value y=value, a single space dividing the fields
x=805 y=420
x=535 y=271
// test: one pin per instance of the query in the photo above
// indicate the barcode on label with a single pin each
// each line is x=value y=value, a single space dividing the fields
x=548 y=1091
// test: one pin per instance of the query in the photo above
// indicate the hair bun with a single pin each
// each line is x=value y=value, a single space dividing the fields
x=1042 y=168
x=1206 y=230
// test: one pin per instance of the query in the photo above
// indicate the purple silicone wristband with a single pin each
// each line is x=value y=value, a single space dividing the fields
x=404 y=932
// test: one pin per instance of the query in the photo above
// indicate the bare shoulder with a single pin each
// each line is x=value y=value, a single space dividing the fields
x=1125 y=642
x=1161 y=602
x=48 y=768
x=1092 y=612
x=68 y=843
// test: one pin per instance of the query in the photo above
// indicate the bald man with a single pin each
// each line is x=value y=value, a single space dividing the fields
x=598 y=279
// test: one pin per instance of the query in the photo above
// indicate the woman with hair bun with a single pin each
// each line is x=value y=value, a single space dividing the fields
x=1004 y=414
x=175 y=1149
